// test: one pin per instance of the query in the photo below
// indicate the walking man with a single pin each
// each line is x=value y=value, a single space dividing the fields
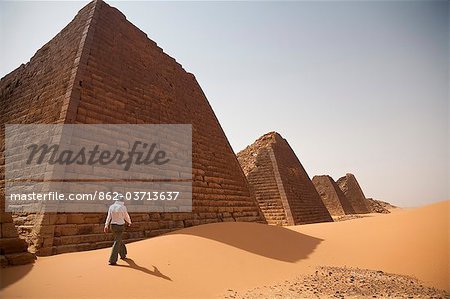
x=117 y=217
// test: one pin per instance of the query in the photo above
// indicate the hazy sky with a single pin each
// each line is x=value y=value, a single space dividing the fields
x=359 y=87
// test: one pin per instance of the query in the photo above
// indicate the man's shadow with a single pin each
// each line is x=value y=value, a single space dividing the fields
x=155 y=272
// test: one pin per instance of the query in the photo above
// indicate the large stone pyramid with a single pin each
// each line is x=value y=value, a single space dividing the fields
x=350 y=187
x=101 y=69
x=333 y=198
x=281 y=185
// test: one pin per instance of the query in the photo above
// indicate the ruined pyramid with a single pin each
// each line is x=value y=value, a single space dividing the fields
x=101 y=69
x=281 y=185
x=350 y=187
x=377 y=206
x=333 y=198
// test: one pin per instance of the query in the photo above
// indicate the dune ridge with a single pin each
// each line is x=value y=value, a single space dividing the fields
x=205 y=261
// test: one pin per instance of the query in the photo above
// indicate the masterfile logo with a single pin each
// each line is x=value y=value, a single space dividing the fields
x=147 y=155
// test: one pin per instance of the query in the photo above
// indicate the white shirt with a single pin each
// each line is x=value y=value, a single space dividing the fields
x=117 y=214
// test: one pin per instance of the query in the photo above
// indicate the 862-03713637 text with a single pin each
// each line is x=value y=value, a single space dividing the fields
x=97 y=195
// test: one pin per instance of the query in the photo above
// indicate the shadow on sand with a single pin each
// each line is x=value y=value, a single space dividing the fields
x=131 y=264
x=274 y=242
x=12 y=274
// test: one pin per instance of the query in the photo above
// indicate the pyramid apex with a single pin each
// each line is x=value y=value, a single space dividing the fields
x=320 y=176
x=269 y=137
x=272 y=133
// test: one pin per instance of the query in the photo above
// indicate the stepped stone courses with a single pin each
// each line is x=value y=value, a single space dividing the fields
x=281 y=185
x=351 y=189
x=333 y=198
x=13 y=250
x=101 y=69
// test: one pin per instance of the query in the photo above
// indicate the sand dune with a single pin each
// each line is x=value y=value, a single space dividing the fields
x=205 y=261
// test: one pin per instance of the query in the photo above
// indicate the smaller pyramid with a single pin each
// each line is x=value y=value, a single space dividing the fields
x=376 y=206
x=281 y=185
x=13 y=250
x=332 y=197
x=351 y=189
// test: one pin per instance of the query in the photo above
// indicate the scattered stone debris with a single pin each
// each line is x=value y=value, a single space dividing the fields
x=338 y=282
x=378 y=206
x=349 y=217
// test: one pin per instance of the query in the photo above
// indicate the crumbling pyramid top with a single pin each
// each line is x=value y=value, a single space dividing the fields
x=248 y=156
x=352 y=190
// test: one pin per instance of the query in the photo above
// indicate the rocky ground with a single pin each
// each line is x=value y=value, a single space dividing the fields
x=378 y=206
x=334 y=282
x=349 y=217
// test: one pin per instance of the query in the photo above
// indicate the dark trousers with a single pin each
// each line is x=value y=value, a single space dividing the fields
x=118 y=246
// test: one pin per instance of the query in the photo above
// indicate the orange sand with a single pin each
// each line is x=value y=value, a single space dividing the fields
x=205 y=261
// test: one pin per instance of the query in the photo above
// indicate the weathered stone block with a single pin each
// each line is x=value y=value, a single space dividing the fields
x=12 y=245
x=3 y=261
x=61 y=219
x=76 y=218
x=20 y=258
x=66 y=230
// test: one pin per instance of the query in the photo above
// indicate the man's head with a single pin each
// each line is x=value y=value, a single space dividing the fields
x=120 y=197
